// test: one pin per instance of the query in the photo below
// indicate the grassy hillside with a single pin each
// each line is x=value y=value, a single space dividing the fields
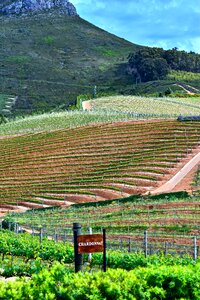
x=48 y=59
x=97 y=162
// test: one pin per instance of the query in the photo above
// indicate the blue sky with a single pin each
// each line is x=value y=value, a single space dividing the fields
x=157 y=23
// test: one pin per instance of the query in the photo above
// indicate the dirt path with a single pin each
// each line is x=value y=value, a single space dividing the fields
x=187 y=88
x=182 y=179
x=86 y=105
x=186 y=183
x=184 y=89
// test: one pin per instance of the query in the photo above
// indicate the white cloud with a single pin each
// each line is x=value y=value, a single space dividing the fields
x=173 y=23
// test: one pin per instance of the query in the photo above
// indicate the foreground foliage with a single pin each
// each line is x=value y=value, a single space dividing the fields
x=130 y=276
x=163 y=282
x=29 y=247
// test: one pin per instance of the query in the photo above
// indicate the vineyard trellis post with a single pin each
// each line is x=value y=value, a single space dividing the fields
x=195 y=248
x=129 y=245
x=90 y=254
x=65 y=237
x=15 y=227
x=41 y=235
x=104 y=250
x=33 y=232
x=121 y=244
x=165 y=249
x=145 y=243
x=55 y=236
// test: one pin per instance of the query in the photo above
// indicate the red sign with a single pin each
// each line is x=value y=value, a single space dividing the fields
x=90 y=243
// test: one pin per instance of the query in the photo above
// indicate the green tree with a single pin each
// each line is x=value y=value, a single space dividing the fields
x=148 y=64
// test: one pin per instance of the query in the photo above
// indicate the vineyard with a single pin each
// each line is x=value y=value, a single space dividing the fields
x=61 y=120
x=108 y=184
x=106 y=109
x=171 y=220
x=155 y=240
x=92 y=163
x=100 y=175
x=158 y=107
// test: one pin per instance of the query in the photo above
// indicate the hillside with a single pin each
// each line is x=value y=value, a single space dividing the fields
x=48 y=58
x=174 y=218
x=90 y=163
x=147 y=106
x=49 y=55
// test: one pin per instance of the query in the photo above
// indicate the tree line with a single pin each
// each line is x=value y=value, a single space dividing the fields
x=148 y=63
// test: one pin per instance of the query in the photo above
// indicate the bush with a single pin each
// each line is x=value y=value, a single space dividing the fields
x=175 y=282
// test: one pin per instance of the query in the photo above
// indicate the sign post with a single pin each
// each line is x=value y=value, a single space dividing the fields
x=88 y=243
x=78 y=257
x=104 y=250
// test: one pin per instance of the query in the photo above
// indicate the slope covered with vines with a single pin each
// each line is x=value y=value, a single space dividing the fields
x=92 y=163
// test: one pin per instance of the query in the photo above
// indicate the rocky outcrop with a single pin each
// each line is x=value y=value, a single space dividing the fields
x=27 y=6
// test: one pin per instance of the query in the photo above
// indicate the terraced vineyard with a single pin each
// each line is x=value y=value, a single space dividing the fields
x=92 y=163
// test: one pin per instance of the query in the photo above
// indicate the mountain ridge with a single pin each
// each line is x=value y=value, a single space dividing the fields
x=27 y=6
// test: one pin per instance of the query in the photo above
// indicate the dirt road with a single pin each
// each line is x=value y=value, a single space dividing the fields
x=86 y=105
x=176 y=179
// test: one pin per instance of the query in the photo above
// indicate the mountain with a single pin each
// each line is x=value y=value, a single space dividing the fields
x=10 y=7
x=48 y=57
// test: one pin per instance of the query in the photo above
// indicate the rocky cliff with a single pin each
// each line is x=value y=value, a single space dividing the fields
x=9 y=7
